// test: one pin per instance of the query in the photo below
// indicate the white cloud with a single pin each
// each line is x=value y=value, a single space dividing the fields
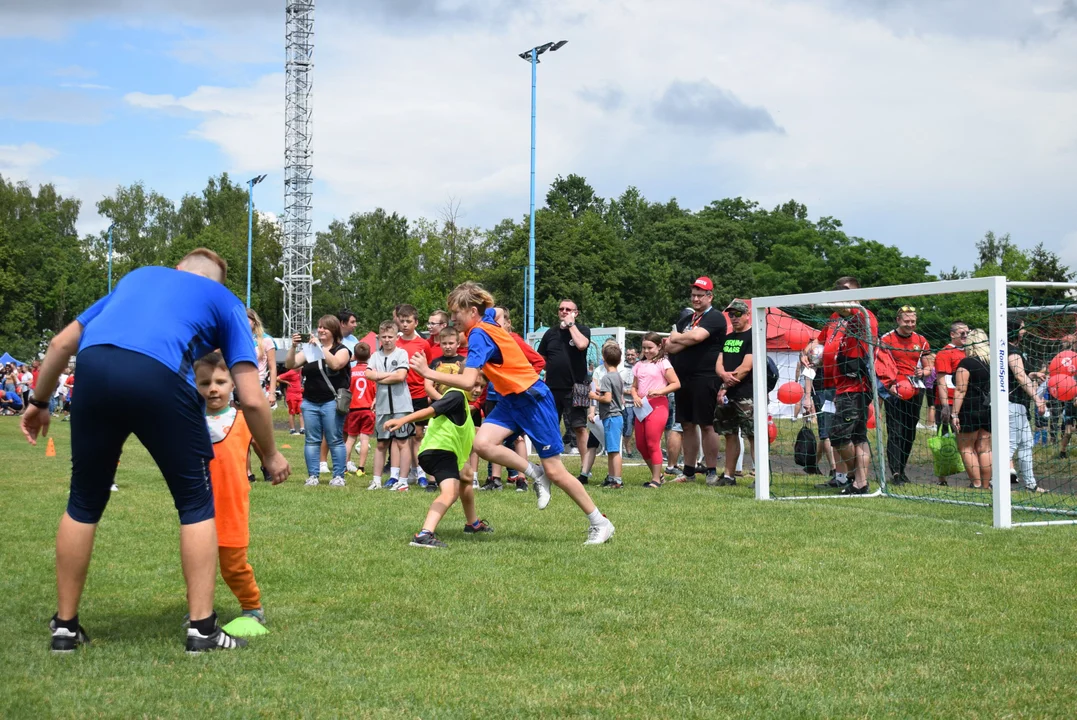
x=915 y=133
x=17 y=161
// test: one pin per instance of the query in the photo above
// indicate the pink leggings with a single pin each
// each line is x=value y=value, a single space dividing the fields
x=649 y=431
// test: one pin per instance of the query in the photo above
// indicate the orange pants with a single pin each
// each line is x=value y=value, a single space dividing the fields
x=239 y=575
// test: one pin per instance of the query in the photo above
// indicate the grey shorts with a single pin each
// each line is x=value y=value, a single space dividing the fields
x=403 y=433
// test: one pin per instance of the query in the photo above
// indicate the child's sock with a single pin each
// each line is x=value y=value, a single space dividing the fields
x=377 y=479
x=72 y=624
x=533 y=471
x=596 y=517
x=394 y=473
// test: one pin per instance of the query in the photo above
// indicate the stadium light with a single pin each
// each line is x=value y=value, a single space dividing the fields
x=250 y=228
x=110 y=257
x=531 y=56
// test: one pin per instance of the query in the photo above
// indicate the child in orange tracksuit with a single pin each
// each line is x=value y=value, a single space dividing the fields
x=231 y=490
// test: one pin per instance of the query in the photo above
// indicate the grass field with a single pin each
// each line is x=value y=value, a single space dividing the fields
x=706 y=604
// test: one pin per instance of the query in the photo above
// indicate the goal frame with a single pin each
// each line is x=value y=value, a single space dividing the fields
x=995 y=287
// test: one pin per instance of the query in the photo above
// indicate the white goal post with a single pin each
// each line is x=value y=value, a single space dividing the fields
x=995 y=287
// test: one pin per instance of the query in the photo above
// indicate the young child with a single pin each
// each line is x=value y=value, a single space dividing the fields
x=449 y=362
x=293 y=397
x=231 y=492
x=610 y=397
x=526 y=404
x=653 y=379
x=359 y=425
x=445 y=454
x=388 y=367
x=411 y=342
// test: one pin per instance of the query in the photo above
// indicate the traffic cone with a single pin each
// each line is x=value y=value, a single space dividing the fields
x=50 y=449
x=286 y=447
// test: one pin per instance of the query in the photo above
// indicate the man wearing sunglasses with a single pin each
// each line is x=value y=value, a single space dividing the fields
x=694 y=346
x=945 y=366
x=564 y=347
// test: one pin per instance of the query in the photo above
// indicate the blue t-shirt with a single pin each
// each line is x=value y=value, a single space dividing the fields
x=482 y=349
x=172 y=316
x=13 y=397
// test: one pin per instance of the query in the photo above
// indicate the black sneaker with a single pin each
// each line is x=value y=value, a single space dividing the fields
x=65 y=641
x=832 y=483
x=616 y=484
x=478 y=527
x=1013 y=477
x=1061 y=454
x=899 y=479
x=607 y=482
x=427 y=540
x=197 y=643
x=492 y=484
x=726 y=481
x=521 y=484
x=584 y=479
x=851 y=489
x=431 y=486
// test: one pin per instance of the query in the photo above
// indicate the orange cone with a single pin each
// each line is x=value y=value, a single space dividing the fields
x=50 y=449
x=286 y=447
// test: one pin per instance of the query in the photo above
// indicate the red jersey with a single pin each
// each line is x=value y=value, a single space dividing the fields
x=906 y=352
x=294 y=382
x=946 y=364
x=362 y=390
x=435 y=351
x=851 y=336
x=33 y=385
x=416 y=386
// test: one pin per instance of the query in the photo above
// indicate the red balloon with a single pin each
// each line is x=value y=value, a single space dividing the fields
x=905 y=390
x=772 y=431
x=871 y=417
x=798 y=337
x=1062 y=387
x=790 y=393
x=1065 y=363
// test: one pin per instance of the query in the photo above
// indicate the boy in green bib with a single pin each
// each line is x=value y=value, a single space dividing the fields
x=444 y=455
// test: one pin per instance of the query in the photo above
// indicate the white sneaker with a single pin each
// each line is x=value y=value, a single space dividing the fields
x=323 y=468
x=311 y=481
x=115 y=487
x=352 y=468
x=413 y=475
x=542 y=490
x=337 y=482
x=598 y=534
x=401 y=486
x=374 y=485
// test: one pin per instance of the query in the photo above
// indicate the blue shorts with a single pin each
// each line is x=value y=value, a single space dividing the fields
x=534 y=413
x=613 y=427
x=626 y=418
x=122 y=392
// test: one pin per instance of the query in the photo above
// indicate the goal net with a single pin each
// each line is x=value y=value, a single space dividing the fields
x=909 y=389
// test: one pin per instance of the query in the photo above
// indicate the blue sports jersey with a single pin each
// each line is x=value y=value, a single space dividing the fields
x=481 y=349
x=171 y=316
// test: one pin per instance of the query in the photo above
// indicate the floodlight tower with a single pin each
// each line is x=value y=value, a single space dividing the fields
x=298 y=246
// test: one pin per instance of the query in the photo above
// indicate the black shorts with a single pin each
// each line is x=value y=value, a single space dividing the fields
x=973 y=421
x=697 y=399
x=420 y=403
x=440 y=465
x=574 y=417
x=476 y=417
x=850 y=423
x=122 y=392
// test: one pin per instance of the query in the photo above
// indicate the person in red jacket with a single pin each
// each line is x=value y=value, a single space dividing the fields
x=905 y=348
x=846 y=354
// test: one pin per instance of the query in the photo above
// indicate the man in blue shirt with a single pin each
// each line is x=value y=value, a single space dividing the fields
x=136 y=352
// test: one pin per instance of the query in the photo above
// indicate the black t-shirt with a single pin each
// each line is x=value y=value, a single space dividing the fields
x=1017 y=393
x=735 y=348
x=700 y=359
x=452 y=405
x=566 y=365
x=314 y=387
x=452 y=360
x=977 y=395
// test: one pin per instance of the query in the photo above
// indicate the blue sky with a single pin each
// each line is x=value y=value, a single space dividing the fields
x=918 y=123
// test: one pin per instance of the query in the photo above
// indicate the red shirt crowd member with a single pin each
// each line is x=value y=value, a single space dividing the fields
x=946 y=363
x=438 y=321
x=360 y=419
x=902 y=350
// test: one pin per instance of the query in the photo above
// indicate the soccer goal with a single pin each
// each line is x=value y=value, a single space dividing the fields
x=910 y=353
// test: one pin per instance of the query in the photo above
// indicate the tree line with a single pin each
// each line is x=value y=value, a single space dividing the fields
x=626 y=260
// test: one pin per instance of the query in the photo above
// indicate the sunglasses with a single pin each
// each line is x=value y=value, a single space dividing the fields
x=734 y=313
x=566 y=309
x=906 y=309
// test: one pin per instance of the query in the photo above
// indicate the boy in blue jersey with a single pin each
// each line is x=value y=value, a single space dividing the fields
x=526 y=403
x=140 y=344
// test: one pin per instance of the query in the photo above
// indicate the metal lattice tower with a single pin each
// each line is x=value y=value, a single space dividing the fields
x=298 y=248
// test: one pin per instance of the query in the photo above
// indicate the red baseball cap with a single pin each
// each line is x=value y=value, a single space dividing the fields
x=703 y=283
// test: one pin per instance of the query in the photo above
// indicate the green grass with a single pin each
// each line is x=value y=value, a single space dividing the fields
x=706 y=604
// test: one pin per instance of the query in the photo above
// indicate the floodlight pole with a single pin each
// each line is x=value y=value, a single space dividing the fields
x=250 y=228
x=110 y=257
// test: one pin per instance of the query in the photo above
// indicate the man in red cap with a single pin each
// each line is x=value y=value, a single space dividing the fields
x=694 y=346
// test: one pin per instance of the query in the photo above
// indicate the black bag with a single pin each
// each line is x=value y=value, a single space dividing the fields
x=772 y=374
x=804 y=448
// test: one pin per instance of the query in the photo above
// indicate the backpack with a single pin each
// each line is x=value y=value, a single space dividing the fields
x=772 y=374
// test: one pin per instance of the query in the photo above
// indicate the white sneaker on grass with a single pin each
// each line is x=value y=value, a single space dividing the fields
x=401 y=486
x=114 y=488
x=323 y=469
x=375 y=484
x=598 y=534
x=352 y=468
x=337 y=482
x=311 y=481
x=542 y=490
